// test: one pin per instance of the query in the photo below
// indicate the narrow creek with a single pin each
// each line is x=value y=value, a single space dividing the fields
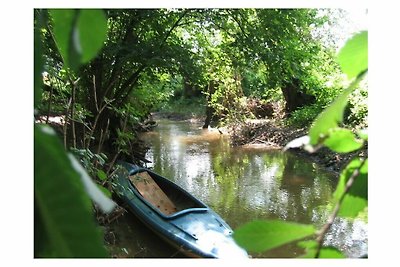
x=241 y=184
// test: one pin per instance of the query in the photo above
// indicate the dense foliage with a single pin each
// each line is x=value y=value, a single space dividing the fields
x=101 y=72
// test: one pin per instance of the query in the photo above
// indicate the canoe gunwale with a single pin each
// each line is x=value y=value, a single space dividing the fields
x=204 y=208
x=172 y=216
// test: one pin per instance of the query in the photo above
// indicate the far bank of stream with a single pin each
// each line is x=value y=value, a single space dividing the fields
x=241 y=184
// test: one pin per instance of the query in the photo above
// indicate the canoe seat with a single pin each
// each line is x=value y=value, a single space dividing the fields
x=150 y=191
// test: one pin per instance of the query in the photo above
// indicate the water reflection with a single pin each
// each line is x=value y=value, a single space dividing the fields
x=243 y=184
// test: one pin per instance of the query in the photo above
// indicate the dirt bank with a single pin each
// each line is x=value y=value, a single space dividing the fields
x=269 y=133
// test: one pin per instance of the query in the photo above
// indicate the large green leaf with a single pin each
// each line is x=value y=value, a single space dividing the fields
x=353 y=57
x=61 y=203
x=92 y=32
x=342 y=141
x=79 y=34
x=264 y=235
x=64 y=22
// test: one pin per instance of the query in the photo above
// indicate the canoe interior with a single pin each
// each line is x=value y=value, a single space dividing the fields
x=162 y=194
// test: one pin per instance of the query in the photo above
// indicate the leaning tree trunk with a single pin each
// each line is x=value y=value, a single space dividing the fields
x=294 y=97
x=209 y=109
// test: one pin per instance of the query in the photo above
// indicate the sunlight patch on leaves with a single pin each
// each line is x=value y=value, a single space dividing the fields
x=342 y=141
x=353 y=57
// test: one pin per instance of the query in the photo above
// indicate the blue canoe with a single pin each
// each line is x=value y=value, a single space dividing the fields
x=174 y=214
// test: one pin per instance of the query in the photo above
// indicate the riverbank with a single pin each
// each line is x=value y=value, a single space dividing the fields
x=270 y=133
x=273 y=135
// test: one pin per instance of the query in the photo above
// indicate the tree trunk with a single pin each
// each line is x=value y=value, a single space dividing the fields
x=294 y=97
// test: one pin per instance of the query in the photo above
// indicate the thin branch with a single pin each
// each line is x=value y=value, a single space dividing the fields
x=327 y=226
x=66 y=123
x=119 y=151
x=95 y=94
x=73 y=83
x=239 y=24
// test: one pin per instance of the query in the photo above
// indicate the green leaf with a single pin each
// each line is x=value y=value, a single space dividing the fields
x=63 y=28
x=332 y=115
x=326 y=252
x=342 y=141
x=356 y=199
x=307 y=244
x=259 y=236
x=64 y=207
x=92 y=32
x=359 y=187
x=353 y=57
x=352 y=206
x=79 y=34
x=102 y=175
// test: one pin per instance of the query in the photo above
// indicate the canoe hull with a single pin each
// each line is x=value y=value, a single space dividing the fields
x=194 y=229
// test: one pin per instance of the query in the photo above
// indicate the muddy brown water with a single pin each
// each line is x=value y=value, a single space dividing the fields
x=241 y=184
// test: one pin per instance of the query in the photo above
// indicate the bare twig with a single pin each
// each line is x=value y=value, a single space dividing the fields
x=103 y=137
x=73 y=115
x=96 y=121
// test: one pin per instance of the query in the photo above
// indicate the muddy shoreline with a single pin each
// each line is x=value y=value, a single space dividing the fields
x=269 y=133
